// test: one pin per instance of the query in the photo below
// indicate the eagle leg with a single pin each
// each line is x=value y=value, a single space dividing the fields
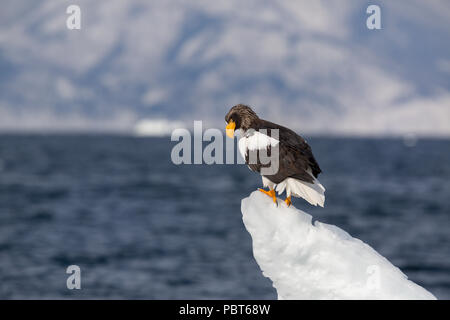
x=270 y=193
x=288 y=201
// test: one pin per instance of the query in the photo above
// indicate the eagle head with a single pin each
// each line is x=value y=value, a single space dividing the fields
x=239 y=117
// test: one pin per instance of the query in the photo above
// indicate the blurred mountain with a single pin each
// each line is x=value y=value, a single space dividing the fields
x=311 y=65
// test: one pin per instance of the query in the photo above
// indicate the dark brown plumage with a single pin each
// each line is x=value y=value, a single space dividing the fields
x=295 y=155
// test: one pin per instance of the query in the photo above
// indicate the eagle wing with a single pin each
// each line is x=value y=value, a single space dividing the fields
x=296 y=159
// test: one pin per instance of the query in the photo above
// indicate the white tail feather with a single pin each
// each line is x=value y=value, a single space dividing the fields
x=314 y=193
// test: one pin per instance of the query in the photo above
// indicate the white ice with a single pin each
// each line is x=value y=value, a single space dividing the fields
x=319 y=261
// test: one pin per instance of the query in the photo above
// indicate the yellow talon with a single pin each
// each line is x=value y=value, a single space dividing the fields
x=288 y=201
x=270 y=193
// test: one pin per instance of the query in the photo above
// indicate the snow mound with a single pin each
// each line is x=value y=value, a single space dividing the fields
x=319 y=261
x=156 y=127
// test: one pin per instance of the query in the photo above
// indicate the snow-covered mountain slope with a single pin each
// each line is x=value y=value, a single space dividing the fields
x=319 y=261
x=311 y=65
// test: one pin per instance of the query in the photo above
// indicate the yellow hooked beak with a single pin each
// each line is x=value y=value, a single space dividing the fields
x=230 y=128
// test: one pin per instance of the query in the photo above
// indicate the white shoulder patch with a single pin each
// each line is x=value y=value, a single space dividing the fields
x=255 y=140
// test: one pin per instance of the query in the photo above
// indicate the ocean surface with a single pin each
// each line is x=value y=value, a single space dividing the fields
x=141 y=227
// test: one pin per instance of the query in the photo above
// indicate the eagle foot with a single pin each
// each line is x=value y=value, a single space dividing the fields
x=270 y=193
x=288 y=201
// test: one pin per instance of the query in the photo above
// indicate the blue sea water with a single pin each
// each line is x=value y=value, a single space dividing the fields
x=141 y=227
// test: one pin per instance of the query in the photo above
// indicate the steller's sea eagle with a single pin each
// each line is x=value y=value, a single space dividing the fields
x=297 y=169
